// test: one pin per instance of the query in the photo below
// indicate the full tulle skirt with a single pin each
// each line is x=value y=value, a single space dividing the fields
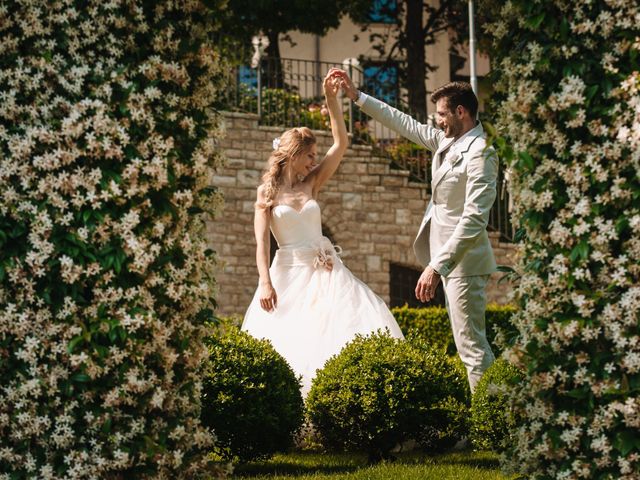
x=318 y=310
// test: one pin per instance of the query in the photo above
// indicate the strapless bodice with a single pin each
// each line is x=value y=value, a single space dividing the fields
x=294 y=229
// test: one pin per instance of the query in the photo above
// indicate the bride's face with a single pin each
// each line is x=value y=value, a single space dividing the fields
x=304 y=163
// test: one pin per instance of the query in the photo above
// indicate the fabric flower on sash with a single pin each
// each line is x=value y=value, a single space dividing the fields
x=324 y=257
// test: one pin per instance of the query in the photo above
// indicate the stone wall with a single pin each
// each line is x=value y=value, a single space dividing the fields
x=370 y=210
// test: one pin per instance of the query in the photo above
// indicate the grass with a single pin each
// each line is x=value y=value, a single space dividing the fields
x=459 y=465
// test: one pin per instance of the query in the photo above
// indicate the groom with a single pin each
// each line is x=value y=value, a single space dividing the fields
x=452 y=242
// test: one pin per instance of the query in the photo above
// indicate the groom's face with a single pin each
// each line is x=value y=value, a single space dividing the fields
x=448 y=120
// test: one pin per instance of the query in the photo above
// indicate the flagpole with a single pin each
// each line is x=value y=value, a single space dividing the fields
x=472 y=49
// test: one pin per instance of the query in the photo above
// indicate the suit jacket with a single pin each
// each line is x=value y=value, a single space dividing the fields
x=453 y=235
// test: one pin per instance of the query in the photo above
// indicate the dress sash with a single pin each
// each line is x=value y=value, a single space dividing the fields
x=323 y=255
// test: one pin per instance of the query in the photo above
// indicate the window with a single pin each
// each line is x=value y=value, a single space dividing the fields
x=402 y=288
x=384 y=11
x=381 y=81
x=248 y=76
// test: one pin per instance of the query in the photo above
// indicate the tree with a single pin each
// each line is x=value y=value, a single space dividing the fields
x=274 y=18
x=419 y=23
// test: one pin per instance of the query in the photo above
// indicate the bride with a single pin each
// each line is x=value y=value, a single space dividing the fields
x=308 y=304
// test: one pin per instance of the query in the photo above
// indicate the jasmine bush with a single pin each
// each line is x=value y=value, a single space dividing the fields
x=567 y=111
x=107 y=139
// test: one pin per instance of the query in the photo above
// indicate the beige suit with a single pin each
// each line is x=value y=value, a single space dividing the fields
x=453 y=234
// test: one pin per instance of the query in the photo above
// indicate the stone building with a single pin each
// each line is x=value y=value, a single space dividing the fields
x=368 y=208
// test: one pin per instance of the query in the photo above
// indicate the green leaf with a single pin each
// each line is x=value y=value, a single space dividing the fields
x=526 y=160
x=106 y=426
x=74 y=343
x=622 y=224
x=577 y=393
x=581 y=250
x=626 y=441
x=564 y=29
x=505 y=269
x=108 y=262
x=591 y=91
x=80 y=377
x=535 y=22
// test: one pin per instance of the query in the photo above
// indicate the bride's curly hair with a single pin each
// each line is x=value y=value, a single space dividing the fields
x=291 y=143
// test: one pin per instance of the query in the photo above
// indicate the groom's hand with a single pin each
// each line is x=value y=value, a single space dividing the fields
x=427 y=284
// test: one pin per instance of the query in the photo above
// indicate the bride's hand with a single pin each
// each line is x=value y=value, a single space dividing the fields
x=331 y=84
x=268 y=297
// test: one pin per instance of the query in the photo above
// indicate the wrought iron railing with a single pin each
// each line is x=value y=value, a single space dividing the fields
x=288 y=93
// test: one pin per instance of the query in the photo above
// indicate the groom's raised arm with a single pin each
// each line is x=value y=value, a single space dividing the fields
x=390 y=117
x=404 y=124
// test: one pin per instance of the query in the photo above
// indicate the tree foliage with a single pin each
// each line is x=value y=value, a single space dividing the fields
x=419 y=23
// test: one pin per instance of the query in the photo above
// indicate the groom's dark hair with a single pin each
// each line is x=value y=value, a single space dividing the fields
x=457 y=93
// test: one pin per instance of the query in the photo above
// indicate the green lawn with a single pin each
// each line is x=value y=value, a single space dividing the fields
x=408 y=466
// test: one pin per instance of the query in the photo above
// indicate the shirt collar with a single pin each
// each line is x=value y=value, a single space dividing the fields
x=463 y=140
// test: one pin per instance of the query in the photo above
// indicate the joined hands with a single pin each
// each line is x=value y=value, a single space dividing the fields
x=337 y=79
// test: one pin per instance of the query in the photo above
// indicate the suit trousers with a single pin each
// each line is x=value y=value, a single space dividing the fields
x=466 y=301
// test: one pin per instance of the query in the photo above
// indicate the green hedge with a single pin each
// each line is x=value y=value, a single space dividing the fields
x=431 y=324
x=250 y=397
x=492 y=418
x=380 y=391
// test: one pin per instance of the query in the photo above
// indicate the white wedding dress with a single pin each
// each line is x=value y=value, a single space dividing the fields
x=318 y=311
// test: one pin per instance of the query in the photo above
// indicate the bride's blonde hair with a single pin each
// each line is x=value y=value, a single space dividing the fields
x=291 y=143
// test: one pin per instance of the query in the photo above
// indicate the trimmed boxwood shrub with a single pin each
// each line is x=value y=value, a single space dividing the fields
x=250 y=398
x=449 y=417
x=380 y=391
x=432 y=324
x=492 y=418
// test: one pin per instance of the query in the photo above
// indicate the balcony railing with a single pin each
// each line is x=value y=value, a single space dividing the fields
x=288 y=93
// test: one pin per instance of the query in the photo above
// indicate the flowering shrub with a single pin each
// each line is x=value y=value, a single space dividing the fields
x=568 y=103
x=107 y=139
x=281 y=107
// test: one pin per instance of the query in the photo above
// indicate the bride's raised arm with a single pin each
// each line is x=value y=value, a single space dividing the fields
x=332 y=159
